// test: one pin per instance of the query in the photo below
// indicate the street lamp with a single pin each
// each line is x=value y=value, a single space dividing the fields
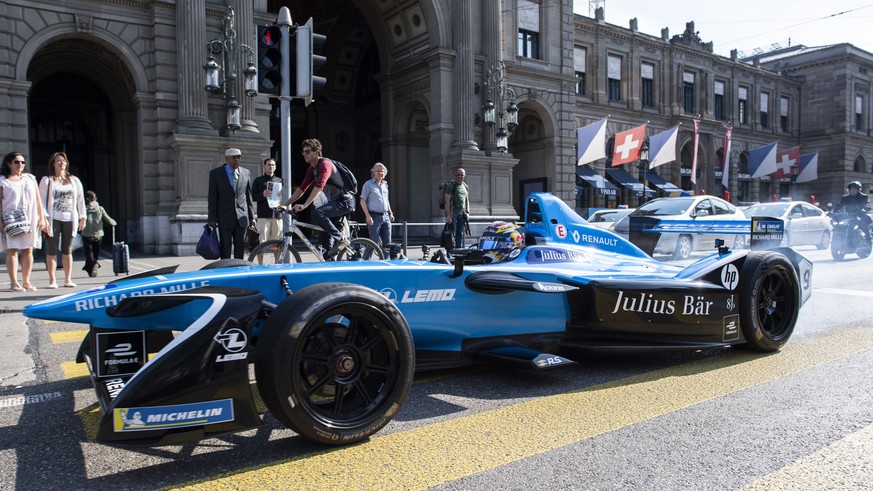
x=223 y=81
x=644 y=167
x=500 y=109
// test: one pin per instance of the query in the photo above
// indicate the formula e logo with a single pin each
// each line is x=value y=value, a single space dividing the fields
x=730 y=277
x=234 y=340
x=440 y=295
x=121 y=349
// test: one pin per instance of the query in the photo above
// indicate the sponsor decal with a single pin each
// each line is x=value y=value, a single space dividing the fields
x=730 y=277
x=437 y=295
x=390 y=294
x=647 y=303
x=173 y=416
x=549 y=255
x=552 y=287
x=113 y=386
x=34 y=399
x=561 y=231
x=544 y=361
x=731 y=304
x=112 y=300
x=120 y=352
x=233 y=340
x=595 y=239
x=731 y=328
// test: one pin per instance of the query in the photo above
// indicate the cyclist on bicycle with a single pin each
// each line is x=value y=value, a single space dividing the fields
x=329 y=181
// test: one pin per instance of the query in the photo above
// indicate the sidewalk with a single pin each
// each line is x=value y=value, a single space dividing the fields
x=16 y=301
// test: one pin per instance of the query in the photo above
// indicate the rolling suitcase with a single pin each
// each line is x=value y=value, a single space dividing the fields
x=120 y=256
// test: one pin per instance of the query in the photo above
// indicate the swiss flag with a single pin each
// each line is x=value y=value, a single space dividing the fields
x=785 y=160
x=627 y=145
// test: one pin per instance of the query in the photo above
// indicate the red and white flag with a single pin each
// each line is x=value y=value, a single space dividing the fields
x=787 y=161
x=627 y=145
x=727 y=157
x=694 y=155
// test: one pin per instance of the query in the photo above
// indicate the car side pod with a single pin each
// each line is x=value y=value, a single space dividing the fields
x=196 y=387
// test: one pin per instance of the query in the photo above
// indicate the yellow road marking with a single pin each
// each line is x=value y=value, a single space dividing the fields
x=68 y=336
x=71 y=369
x=844 y=464
x=449 y=450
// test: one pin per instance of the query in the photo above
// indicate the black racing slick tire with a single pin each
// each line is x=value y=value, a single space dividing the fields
x=336 y=362
x=769 y=300
x=226 y=263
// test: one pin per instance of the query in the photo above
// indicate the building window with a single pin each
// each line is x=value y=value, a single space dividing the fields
x=528 y=44
x=647 y=89
x=783 y=113
x=579 y=59
x=743 y=105
x=718 y=103
x=688 y=92
x=613 y=78
x=765 y=115
x=859 y=113
x=528 y=29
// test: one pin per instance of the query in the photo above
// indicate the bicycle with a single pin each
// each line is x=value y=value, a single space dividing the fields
x=282 y=251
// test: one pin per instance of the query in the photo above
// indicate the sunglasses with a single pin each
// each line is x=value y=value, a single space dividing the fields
x=306 y=152
x=18 y=162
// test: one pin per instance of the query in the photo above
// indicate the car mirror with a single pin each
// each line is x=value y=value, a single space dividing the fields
x=701 y=213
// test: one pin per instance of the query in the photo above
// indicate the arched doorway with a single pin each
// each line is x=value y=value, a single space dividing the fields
x=81 y=103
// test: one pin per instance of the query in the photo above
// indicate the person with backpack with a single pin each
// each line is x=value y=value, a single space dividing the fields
x=457 y=205
x=337 y=182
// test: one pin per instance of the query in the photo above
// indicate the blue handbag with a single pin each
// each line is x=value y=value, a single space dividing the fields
x=207 y=246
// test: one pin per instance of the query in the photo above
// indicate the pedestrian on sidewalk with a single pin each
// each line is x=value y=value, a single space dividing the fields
x=22 y=220
x=65 y=206
x=92 y=234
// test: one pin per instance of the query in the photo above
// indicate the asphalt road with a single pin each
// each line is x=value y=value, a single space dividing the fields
x=801 y=418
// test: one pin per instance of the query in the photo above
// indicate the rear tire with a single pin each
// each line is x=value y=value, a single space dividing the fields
x=769 y=299
x=272 y=250
x=684 y=246
x=336 y=363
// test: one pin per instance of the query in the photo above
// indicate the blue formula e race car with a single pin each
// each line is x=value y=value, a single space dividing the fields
x=335 y=345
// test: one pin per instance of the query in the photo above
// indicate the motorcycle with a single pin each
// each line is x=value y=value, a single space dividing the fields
x=850 y=236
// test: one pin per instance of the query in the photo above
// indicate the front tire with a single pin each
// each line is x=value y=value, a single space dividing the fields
x=838 y=247
x=684 y=246
x=361 y=249
x=226 y=263
x=769 y=300
x=337 y=362
x=271 y=253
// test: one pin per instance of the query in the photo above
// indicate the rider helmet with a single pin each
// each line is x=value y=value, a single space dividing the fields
x=501 y=241
x=854 y=184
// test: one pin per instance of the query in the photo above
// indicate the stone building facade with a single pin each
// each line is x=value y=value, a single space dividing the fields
x=119 y=85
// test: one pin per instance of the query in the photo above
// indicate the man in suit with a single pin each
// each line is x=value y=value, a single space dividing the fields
x=230 y=203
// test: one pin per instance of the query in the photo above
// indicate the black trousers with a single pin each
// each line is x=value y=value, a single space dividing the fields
x=232 y=238
x=92 y=253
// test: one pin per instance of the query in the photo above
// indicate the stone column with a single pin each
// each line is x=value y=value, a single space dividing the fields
x=245 y=35
x=491 y=42
x=464 y=78
x=193 y=114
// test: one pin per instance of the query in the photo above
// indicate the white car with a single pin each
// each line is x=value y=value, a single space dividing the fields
x=606 y=218
x=805 y=224
x=696 y=212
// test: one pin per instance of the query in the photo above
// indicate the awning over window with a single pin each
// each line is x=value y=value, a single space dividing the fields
x=595 y=180
x=662 y=184
x=628 y=181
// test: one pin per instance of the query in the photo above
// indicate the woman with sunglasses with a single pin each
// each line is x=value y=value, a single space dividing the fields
x=65 y=205
x=19 y=201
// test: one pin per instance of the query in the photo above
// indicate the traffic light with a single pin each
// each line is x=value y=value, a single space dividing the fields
x=269 y=60
x=307 y=62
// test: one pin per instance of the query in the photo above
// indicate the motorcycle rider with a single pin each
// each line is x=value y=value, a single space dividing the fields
x=855 y=204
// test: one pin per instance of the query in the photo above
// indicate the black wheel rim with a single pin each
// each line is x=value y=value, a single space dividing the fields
x=776 y=304
x=347 y=366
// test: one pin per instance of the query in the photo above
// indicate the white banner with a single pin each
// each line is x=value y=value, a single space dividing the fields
x=719 y=88
x=579 y=59
x=613 y=68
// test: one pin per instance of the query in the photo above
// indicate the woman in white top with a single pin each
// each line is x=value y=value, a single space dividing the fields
x=65 y=205
x=18 y=192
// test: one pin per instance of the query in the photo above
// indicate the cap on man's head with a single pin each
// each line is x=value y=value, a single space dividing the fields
x=232 y=152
